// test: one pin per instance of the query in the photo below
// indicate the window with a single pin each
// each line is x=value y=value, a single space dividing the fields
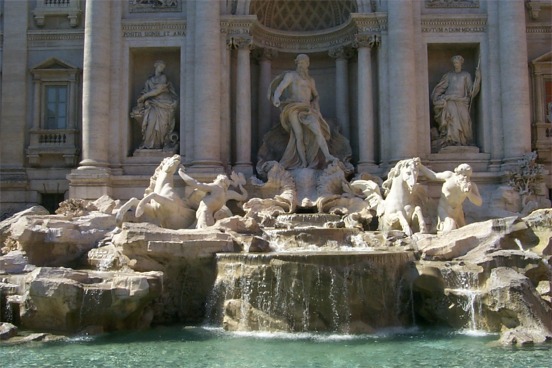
x=55 y=136
x=56 y=107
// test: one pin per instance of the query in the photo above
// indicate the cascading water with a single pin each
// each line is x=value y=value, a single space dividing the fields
x=343 y=292
x=91 y=301
x=465 y=285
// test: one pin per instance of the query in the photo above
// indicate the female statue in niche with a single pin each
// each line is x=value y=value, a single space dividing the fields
x=452 y=100
x=156 y=110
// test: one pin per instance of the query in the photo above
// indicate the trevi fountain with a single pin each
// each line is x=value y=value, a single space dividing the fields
x=309 y=258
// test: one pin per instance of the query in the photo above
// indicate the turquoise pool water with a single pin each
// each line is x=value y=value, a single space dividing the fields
x=204 y=347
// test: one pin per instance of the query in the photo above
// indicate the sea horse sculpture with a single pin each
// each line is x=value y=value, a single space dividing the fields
x=397 y=208
x=161 y=205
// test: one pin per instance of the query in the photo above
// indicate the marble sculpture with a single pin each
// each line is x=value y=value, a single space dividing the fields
x=452 y=102
x=156 y=109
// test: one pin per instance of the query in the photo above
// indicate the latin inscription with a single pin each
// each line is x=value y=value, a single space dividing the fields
x=142 y=34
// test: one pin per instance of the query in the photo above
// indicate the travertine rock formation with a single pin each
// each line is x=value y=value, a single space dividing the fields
x=493 y=275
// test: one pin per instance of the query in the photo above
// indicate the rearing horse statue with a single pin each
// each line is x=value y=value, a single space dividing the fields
x=396 y=208
x=161 y=205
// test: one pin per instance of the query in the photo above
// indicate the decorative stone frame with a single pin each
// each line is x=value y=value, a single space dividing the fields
x=541 y=74
x=534 y=7
x=46 y=8
x=54 y=147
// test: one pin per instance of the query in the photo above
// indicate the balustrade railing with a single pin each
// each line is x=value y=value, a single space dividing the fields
x=57 y=3
x=45 y=8
x=60 y=143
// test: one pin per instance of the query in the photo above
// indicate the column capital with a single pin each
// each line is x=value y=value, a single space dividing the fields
x=366 y=40
x=240 y=42
x=265 y=54
x=340 y=52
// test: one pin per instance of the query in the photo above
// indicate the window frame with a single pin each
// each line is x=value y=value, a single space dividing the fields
x=45 y=107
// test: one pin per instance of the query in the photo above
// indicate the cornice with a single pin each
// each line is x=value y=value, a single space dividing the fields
x=57 y=35
x=539 y=28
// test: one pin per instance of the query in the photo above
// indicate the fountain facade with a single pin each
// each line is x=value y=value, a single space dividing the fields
x=325 y=207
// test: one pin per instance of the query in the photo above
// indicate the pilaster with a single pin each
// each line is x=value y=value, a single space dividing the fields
x=13 y=118
x=14 y=90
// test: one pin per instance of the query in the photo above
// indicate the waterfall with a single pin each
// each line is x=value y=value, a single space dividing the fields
x=91 y=302
x=465 y=286
x=344 y=292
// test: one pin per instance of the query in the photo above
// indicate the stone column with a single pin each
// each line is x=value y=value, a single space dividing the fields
x=383 y=101
x=225 y=100
x=187 y=128
x=402 y=80
x=341 y=56
x=265 y=62
x=490 y=91
x=92 y=179
x=96 y=85
x=207 y=87
x=243 y=106
x=366 y=131
x=14 y=89
x=514 y=80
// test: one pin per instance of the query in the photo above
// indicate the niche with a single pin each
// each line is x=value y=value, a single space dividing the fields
x=142 y=67
x=439 y=63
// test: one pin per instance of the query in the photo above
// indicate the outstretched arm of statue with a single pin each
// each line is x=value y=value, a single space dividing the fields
x=432 y=175
x=191 y=181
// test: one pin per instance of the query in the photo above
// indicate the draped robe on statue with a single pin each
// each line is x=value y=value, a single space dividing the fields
x=308 y=116
x=451 y=99
x=159 y=113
